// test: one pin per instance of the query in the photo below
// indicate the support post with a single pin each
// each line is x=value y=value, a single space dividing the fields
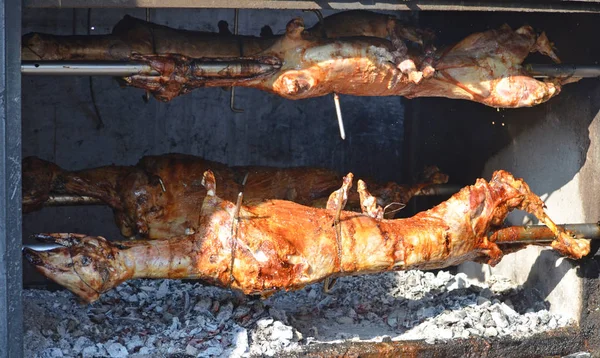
x=11 y=316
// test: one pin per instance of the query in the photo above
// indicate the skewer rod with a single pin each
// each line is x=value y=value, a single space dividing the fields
x=71 y=200
x=510 y=235
x=541 y=233
x=562 y=70
x=124 y=69
x=75 y=200
x=104 y=68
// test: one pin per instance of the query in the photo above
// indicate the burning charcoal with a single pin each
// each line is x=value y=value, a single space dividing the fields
x=396 y=317
x=579 y=355
x=241 y=311
x=225 y=312
x=499 y=319
x=490 y=332
x=444 y=333
x=459 y=281
x=191 y=350
x=281 y=332
x=544 y=317
x=90 y=351
x=51 y=353
x=163 y=289
x=81 y=343
x=344 y=320
x=117 y=350
x=203 y=305
x=426 y=312
x=278 y=315
x=212 y=351
x=134 y=342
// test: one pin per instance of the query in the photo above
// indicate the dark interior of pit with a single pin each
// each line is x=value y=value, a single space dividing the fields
x=458 y=136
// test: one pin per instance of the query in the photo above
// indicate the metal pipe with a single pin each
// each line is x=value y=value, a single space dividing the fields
x=71 y=200
x=236 y=68
x=510 y=235
x=439 y=189
x=542 y=234
x=75 y=200
x=103 y=68
x=562 y=70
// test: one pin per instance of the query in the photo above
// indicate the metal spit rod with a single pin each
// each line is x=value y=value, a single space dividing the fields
x=124 y=69
x=562 y=70
x=541 y=234
x=104 y=68
x=76 y=200
x=535 y=234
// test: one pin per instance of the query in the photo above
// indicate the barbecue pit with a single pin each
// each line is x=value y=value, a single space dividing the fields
x=553 y=146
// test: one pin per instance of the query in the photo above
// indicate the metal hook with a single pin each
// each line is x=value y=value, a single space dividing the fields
x=318 y=13
x=232 y=94
x=338 y=111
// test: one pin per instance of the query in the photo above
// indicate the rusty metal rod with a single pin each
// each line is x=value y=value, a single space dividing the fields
x=74 y=200
x=541 y=234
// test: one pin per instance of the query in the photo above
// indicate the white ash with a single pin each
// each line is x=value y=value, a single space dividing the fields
x=146 y=318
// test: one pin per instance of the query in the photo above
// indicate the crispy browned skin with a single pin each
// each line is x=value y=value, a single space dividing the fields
x=283 y=245
x=357 y=52
x=143 y=208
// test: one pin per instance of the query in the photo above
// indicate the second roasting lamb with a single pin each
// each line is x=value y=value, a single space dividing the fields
x=161 y=196
x=355 y=52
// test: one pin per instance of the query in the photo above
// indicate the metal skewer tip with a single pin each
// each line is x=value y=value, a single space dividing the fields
x=338 y=111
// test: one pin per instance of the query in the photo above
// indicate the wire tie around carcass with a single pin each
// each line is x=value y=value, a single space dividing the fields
x=234 y=233
x=162 y=185
x=330 y=282
x=400 y=207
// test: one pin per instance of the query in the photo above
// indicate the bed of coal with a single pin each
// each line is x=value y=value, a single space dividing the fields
x=150 y=318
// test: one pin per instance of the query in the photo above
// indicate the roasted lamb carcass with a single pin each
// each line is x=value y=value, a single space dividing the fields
x=161 y=196
x=357 y=53
x=283 y=245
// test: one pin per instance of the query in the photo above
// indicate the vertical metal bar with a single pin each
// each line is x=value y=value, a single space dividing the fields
x=11 y=316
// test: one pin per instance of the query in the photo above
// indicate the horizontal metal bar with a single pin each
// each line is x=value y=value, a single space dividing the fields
x=509 y=235
x=563 y=70
x=440 y=189
x=104 y=68
x=542 y=234
x=75 y=200
x=71 y=200
x=215 y=69
x=407 y=5
x=209 y=68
